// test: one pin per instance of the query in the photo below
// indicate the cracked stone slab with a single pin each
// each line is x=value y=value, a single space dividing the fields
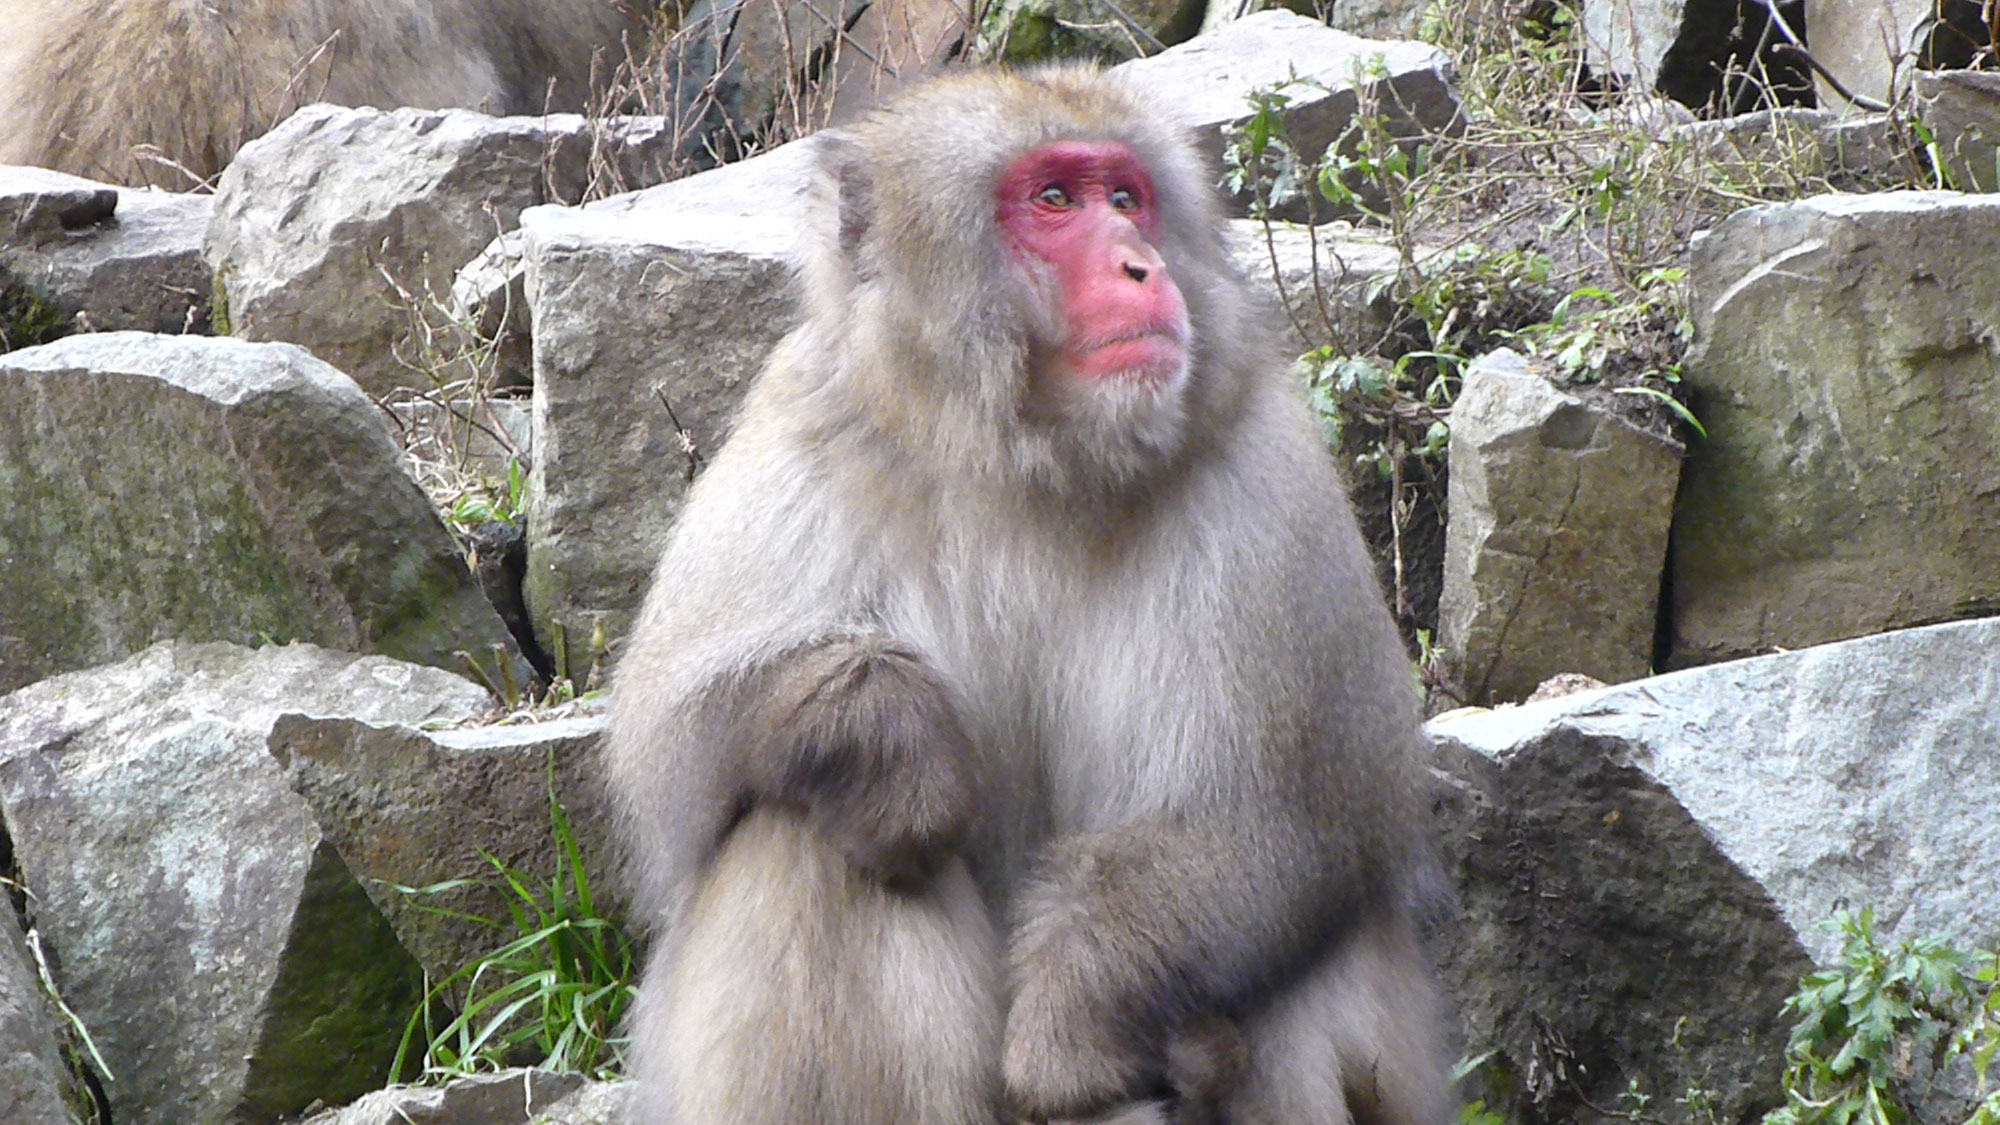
x=1846 y=360
x=1557 y=538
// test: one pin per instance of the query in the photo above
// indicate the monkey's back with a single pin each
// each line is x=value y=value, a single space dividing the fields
x=85 y=83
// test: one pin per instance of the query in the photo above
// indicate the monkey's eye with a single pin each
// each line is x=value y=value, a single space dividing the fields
x=1053 y=196
x=1125 y=199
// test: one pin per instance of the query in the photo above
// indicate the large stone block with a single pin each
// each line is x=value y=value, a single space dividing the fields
x=228 y=965
x=320 y=222
x=651 y=315
x=186 y=486
x=416 y=808
x=1558 y=535
x=1644 y=871
x=1863 y=42
x=1962 y=109
x=1206 y=83
x=1847 y=366
x=135 y=264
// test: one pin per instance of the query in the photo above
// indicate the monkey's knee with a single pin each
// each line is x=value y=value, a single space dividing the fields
x=798 y=991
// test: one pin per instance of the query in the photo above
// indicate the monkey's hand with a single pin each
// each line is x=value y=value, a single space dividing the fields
x=864 y=738
x=1131 y=943
x=1086 y=1029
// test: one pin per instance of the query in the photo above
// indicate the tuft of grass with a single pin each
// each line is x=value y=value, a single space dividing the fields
x=553 y=996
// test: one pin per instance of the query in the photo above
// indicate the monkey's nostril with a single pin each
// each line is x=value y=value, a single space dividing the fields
x=1136 y=273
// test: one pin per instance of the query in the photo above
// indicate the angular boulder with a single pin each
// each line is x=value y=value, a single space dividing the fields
x=415 y=808
x=1644 y=871
x=38 y=205
x=1557 y=538
x=134 y=265
x=227 y=963
x=1847 y=367
x=1863 y=42
x=324 y=224
x=696 y=275
x=1962 y=109
x=1206 y=84
x=183 y=486
x=1326 y=279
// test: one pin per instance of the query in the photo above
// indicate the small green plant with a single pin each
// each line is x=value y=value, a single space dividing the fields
x=553 y=996
x=1882 y=1020
x=1474 y=1112
x=27 y=320
x=488 y=501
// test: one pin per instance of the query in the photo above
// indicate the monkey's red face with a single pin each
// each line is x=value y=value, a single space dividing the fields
x=1084 y=215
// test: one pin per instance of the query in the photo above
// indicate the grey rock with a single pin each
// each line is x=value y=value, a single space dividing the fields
x=596 y=1103
x=477 y=438
x=1343 y=304
x=1962 y=109
x=1558 y=535
x=1863 y=42
x=1672 y=848
x=764 y=192
x=486 y=295
x=1631 y=38
x=696 y=275
x=1024 y=31
x=759 y=194
x=138 y=267
x=1206 y=83
x=183 y=486
x=1601 y=936
x=735 y=63
x=1370 y=19
x=1852 y=150
x=1847 y=350
x=35 y=1087
x=510 y=1097
x=1679 y=48
x=319 y=223
x=203 y=928
x=414 y=808
x=37 y=204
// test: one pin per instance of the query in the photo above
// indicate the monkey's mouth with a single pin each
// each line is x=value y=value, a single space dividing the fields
x=1150 y=354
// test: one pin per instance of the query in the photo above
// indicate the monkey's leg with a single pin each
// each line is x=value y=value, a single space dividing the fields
x=1360 y=1039
x=797 y=991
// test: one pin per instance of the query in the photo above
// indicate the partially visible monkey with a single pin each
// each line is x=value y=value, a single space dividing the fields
x=1014 y=729
x=86 y=86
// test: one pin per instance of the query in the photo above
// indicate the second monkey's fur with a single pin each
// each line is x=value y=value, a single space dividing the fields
x=84 y=84
x=985 y=739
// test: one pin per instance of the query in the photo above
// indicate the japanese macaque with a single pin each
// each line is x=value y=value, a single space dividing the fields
x=165 y=91
x=1014 y=729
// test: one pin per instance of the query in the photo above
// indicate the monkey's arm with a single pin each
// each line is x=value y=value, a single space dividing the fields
x=1135 y=930
x=859 y=735
x=1253 y=788
x=753 y=679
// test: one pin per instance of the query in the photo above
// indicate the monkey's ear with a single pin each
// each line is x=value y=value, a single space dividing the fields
x=846 y=173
